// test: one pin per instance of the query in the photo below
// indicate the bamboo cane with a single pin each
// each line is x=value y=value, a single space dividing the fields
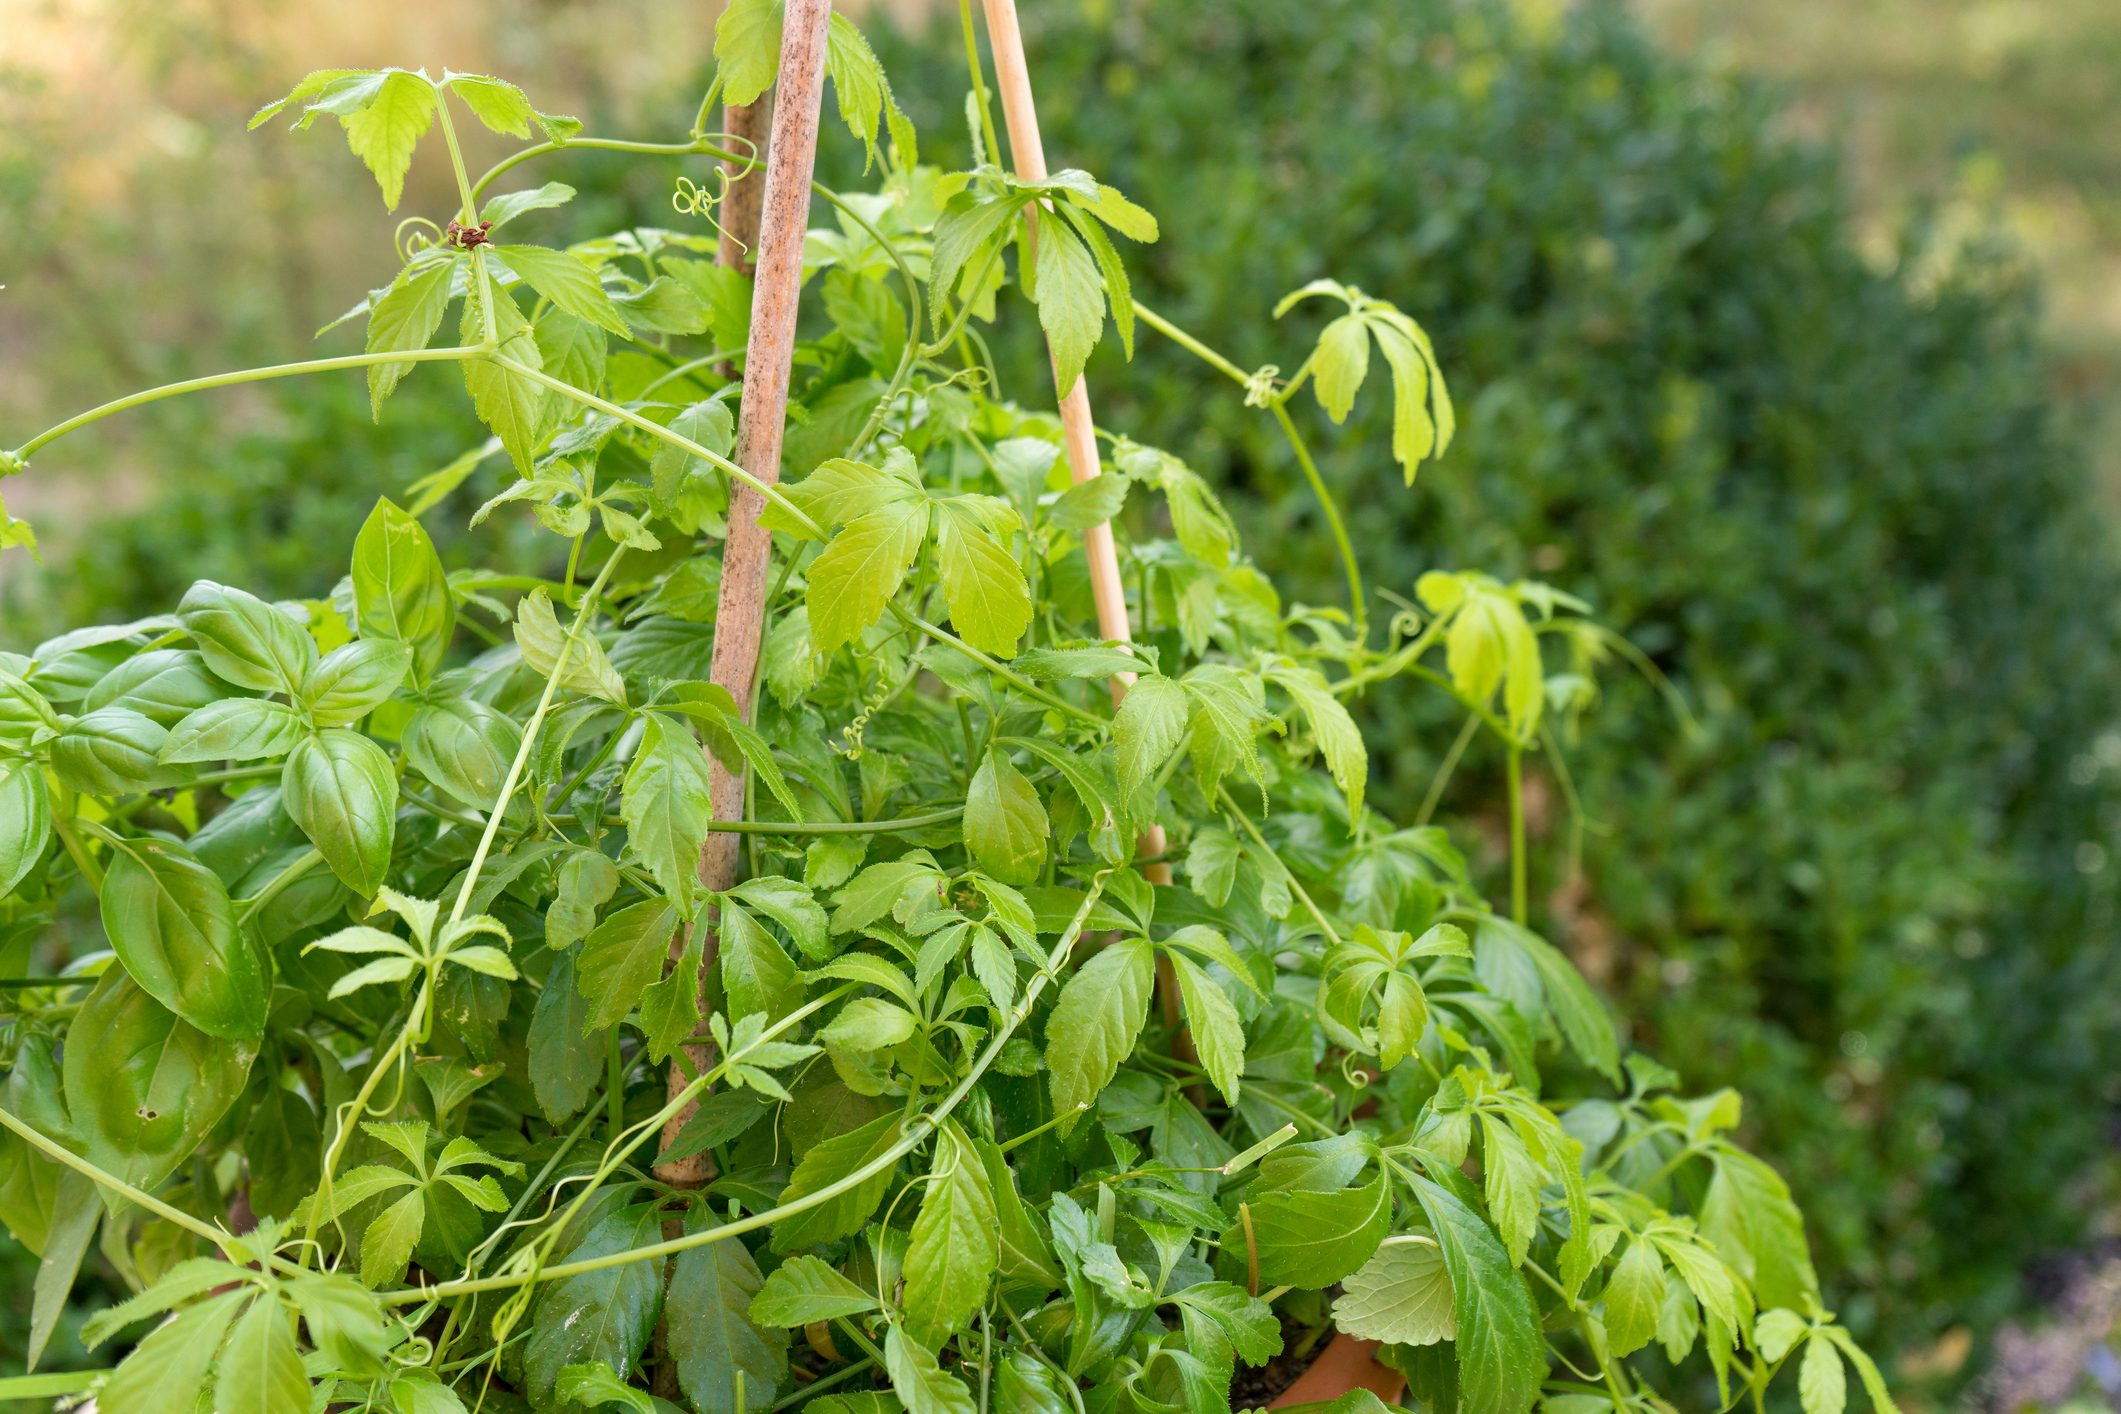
x=740 y=609
x=1078 y=429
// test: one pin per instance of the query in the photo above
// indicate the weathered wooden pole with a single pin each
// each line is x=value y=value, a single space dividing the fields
x=1078 y=429
x=740 y=611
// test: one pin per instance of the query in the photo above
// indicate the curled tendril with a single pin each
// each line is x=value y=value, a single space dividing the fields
x=852 y=732
x=415 y=234
x=1261 y=387
x=1357 y=1076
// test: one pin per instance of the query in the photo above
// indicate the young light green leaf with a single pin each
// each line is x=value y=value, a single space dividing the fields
x=567 y=280
x=859 y=571
x=1401 y=1296
x=587 y=668
x=404 y=319
x=990 y=604
x=1218 y=1037
x=667 y=807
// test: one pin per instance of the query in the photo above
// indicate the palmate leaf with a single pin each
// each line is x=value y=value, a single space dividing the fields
x=1423 y=422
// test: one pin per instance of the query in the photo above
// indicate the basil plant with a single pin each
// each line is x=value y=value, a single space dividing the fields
x=369 y=1015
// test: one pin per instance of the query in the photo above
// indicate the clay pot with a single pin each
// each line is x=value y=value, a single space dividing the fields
x=1345 y=1364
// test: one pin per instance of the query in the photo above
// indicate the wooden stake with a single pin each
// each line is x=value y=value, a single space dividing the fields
x=740 y=611
x=1078 y=429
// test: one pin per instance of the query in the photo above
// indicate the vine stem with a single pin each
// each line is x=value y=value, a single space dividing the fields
x=233 y=378
x=779 y=213
x=1513 y=763
x=53 y=1149
x=914 y=1134
x=1358 y=604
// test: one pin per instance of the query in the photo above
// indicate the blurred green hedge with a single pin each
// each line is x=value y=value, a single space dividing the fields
x=1834 y=503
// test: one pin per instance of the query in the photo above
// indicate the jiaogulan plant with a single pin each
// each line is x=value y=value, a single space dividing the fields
x=422 y=1072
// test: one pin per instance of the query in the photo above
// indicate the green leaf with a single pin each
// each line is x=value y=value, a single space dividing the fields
x=245 y=640
x=339 y=787
x=175 y=1356
x=990 y=604
x=1866 y=1370
x=604 y=1315
x=670 y=1007
x=1148 y=727
x=25 y=821
x=566 y=1051
x=1750 y=1217
x=920 y=1382
x=570 y=282
x=504 y=108
x=114 y=751
x=593 y=1384
x=806 y=1289
x=1101 y=1010
x=1501 y=1355
x=1634 y=1295
x=1822 y=1382
x=1312 y=1240
x=386 y=1245
x=353 y=680
x=1005 y=824
x=1401 y=1296
x=1340 y=364
x=235 y=729
x=587 y=668
x=793 y=907
x=747 y=46
x=829 y=1161
x=516 y=407
x=1243 y=1325
x=261 y=1370
x=1088 y=503
x=75 y=1209
x=725 y=1362
x=667 y=806
x=385 y=128
x=757 y=975
x=171 y=923
x=952 y=1255
x=1338 y=738
x=1217 y=1034
x=1071 y=300
x=621 y=957
x=868 y=1024
x=857 y=573
x=403 y=320
x=401 y=592
x=500 y=210
x=464 y=747
x=144 y=1086
x=1512 y=1183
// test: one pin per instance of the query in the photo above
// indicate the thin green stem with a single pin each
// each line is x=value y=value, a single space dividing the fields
x=530 y=735
x=274 y=886
x=979 y=81
x=1513 y=765
x=1325 y=925
x=1357 y=604
x=1445 y=771
x=998 y=668
x=232 y=379
x=661 y=433
x=220 y=1237
x=699 y=121
x=608 y=144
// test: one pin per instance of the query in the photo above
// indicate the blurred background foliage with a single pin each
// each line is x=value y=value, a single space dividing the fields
x=1813 y=443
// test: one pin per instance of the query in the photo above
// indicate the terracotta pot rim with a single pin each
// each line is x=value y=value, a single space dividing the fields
x=1347 y=1363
